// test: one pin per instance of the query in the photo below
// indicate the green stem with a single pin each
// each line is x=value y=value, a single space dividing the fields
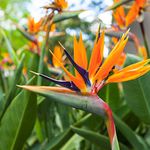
x=144 y=38
x=41 y=63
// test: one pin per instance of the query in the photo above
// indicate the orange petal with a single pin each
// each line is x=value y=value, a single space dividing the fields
x=97 y=55
x=83 y=52
x=143 y=52
x=46 y=88
x=132 y=14
x=80 y=55
x=79 y=83
x=121 y=60
x=112 y=59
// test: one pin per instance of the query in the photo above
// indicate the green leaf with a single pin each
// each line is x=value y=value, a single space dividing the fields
x=95 y=138
x=12 y=53
x=73 y=143
x=12 y=88
x=41 y=62
x=18 y=121
x=137 y=93
x=63 y=137
x=60 y=140
x=110 y=93
x=130 y=135
x=66 y=15
x=117 y=4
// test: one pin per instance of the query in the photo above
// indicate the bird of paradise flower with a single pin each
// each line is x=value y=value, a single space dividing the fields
x=82 y=88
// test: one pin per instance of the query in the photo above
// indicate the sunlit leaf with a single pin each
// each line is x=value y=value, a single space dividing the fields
x=58 y=141
x=11 y=93
x=9 y=48
x=17 y=122
x=100 y=140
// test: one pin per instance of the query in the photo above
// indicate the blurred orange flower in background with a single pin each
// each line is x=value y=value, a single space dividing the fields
x=123 y=19
x=63 y=4
x=34 y=27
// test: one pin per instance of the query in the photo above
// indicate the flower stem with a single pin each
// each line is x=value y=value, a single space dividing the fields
x=111 y=128
x=144 y=38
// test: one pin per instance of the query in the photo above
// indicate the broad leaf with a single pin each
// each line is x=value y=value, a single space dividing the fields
x=89 y=103
x=18 y=121
x=12 y=88
x=110 y=93
x=11 y=51
x=137 y=93
x=58 y=141
x=95 y=138
x=130 y=135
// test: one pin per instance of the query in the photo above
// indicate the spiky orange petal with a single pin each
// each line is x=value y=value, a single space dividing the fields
x=135 y=66
x=143 y=52
x=111 y=59
x=48 y=88
x=97 y=56
x=59 y=54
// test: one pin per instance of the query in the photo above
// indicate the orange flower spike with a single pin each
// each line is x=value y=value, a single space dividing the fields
x=80 y=55
x=80 y=52
x=112 y=59
x=83 y=52
x=59 y=54
x=53 y=27
x=126 y=75
x=79 y=83
x=135 y=66
x=77 y=57
x=97 y=56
